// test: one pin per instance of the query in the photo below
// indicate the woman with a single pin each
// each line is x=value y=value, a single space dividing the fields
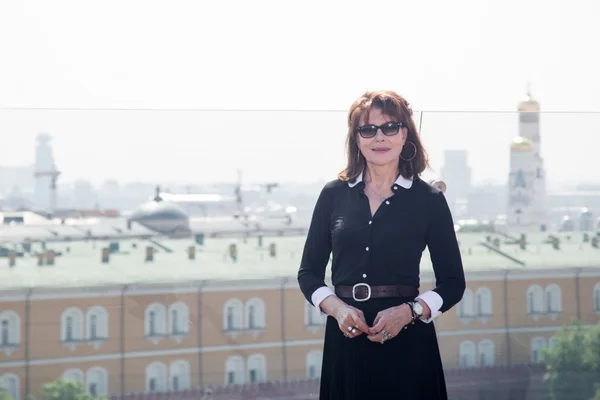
x=376 y=219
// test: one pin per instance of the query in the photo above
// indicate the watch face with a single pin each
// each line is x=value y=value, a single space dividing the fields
x=418 y=308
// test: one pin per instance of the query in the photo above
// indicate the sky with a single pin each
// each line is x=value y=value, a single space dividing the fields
x=101 y=77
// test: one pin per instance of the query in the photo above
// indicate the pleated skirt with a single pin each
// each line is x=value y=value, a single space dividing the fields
x=407 y=367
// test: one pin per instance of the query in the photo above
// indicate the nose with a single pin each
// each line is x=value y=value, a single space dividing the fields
x=379 y=135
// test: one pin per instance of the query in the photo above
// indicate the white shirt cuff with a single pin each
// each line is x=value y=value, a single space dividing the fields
x=319 y=295
x=434 y=301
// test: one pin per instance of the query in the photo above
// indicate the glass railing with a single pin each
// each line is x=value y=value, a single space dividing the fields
x=151 y=271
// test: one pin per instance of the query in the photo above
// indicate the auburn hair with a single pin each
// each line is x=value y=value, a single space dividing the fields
x=392 y=105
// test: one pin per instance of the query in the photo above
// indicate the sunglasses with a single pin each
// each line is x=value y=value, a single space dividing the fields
x=388 y=129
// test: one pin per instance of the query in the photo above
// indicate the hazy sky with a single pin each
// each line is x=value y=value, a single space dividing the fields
x=310 y=55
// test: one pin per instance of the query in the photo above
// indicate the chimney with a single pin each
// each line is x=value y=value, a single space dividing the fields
x=260 y=240
x=192 y=252
x=149 y=253
x=12 y=259
x=523 y=242
x=200 y=239
x=555 y=242
x=595 y=242
x=233 y=251
x=105 y=254
x=50 y=257
x=40 y=259
x=273 y=250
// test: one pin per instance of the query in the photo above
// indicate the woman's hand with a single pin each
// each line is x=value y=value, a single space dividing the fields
x=351 y=321
x=388 y=323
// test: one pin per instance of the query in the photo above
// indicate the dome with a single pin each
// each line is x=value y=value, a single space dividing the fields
x=158 y=210
x=521 y=144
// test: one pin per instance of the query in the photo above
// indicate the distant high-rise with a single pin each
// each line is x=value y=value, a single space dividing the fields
x=44 y=162
x=456 y=172
x=527 y=178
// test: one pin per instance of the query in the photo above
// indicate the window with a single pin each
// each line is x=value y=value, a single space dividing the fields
x=73 y=375
x=156 y=377
x=255 y=313
x=72 y=325
x=553 y=298
x=233 y=315
x=11 y=384
x=314 y=361
x=234 y=370
x=257 y=368
x=97 y=381
x=179 y=373
x=467 y=354
x=97 y=323
x=538 y=344
x=10 y=326
x=535 y=300
x=465 y=307
x=484 y=302
x=178 y=318
x=155 y=320
x=312 y=316
x=487 y=356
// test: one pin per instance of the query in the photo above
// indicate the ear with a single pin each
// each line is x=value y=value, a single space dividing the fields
x=404 y=134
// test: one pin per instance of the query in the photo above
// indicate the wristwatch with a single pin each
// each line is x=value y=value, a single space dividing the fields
x=417 y=308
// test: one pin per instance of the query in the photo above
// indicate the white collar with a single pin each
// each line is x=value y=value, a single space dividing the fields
x=402 y=181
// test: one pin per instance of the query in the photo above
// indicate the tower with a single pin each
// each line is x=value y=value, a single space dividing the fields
x=527 y=178
x=45 y=173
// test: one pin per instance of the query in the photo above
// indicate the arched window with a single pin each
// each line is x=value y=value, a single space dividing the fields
x=96 y=323
x=97 y=381
x=155 y=319
x=312 y=316
x=467 y=354
x=156 y=377
x=73 y=375
x=465 y=307
x=72 y=325
x=487 y=355
x=535 y=299
x=255 y=313
x=484 y=302
x=10 y=328
x=257 y=368
x=314 y=361
x=178 y=318
x=233 y=315
x=179 y=375
x=553 y=298
x=538 y=344
x=11 y=384
x=234 y=370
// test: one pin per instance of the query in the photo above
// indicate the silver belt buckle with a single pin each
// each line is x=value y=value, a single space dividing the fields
x=359 y=285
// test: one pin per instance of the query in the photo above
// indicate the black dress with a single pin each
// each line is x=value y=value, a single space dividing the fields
x=383 y=249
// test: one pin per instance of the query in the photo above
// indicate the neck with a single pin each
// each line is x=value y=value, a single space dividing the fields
x=381 y=176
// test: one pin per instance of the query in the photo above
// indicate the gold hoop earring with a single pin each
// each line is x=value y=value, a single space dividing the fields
x=414 y=154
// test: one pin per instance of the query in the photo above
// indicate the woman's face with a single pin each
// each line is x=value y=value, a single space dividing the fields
x=381 y=149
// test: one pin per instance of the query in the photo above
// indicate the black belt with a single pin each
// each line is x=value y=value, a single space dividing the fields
x=363 y=291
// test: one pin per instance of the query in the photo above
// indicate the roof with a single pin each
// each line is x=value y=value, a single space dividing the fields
x=79 y=263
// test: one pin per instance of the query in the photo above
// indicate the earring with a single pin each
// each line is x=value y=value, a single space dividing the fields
x=414 y=154
x=357 y=155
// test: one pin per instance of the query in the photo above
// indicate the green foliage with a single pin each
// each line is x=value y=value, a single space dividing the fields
x=573 y=363
x=66 y=390
x=4 y=395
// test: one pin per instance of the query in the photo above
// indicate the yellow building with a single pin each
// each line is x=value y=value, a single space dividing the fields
x=136 y=315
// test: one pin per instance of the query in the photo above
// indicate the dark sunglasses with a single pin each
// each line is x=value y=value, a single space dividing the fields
x=388 y=129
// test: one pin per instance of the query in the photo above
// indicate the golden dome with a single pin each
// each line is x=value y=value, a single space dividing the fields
x=521 y=144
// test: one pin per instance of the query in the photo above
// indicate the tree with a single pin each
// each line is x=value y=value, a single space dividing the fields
x=4 y=395
x=66 y=390
x=573 y=363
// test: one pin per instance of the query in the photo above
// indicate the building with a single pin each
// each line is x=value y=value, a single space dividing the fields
x=456 y=170
x=151 y=315
x=527 y=177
